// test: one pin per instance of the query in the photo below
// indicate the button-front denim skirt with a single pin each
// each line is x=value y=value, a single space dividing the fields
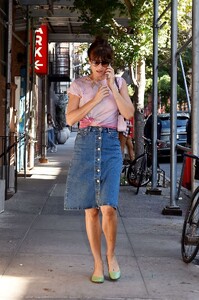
x=93 y=178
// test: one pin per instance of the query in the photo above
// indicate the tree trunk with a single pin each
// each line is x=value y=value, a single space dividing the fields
x=138 y=100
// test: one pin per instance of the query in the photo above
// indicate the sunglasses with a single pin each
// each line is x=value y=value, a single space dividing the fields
x=96 y=63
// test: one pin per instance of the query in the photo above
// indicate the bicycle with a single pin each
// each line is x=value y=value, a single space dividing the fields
x=190 y=231
x=123 y=176
x=139 y=172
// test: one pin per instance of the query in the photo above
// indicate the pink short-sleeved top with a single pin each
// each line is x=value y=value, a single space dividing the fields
x=105 y=113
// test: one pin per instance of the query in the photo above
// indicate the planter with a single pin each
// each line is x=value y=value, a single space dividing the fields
x=63 y=135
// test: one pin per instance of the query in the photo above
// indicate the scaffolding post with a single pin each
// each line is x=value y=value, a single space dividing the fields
x=154 y=190
x=173 y=208
x=195 y=83
x=43 y=158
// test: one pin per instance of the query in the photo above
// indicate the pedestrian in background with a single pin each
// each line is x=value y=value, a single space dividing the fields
x=126 y=139
x=51 y=133
x=148 y=128
x=94 y=176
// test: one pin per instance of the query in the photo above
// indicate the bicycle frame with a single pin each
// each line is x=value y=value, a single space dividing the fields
x=185 y=155
x=138 y=169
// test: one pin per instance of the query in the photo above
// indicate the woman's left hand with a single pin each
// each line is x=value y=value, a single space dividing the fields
x=110 y=76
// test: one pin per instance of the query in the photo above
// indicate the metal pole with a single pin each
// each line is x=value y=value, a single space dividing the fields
x=43 y=158
x=155 y=93
x=173 y=173
x=9 y=59
x=45 y=115
x=8 y=95
x=185 y=84
x=154 y=190
x=27 y=94
x=31 y=105
x=173 y=209
x=195 y=82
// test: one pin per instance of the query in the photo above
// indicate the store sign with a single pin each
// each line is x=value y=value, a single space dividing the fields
x=41 y=50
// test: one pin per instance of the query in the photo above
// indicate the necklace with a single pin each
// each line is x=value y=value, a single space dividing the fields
x=95 y=82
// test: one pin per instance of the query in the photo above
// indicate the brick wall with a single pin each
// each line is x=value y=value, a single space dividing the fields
x=2 y=103
x=18 y=54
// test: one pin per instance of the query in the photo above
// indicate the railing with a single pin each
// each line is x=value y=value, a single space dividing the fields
x=59 y=64
x=8 y=162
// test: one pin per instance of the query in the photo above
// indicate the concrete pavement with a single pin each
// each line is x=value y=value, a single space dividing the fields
x=44 y=252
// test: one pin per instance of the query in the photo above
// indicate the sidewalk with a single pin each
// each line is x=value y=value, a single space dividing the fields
x=44 y=252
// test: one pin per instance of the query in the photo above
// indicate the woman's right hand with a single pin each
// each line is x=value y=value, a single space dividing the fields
x=75 y=113
x=102 y=92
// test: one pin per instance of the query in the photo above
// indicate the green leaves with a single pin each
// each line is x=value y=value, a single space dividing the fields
x=135 y=41
x=97 y=15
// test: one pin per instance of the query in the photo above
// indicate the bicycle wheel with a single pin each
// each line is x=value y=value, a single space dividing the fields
x=138 y=173
x=190 y=232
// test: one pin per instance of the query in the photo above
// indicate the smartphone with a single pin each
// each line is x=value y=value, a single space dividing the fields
x=107 y=76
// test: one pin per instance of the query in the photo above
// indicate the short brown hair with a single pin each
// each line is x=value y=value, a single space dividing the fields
x=100 y=48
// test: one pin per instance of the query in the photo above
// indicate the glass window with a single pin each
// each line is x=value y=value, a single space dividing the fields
x=165 y=123
x=181 y=122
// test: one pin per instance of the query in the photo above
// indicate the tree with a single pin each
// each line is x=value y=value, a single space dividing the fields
x=133 y=44
x=98 y=17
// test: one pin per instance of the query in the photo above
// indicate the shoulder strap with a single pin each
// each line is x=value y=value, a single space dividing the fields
x=116 y=82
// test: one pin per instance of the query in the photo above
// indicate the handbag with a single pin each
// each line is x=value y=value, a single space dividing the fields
x=121 y=123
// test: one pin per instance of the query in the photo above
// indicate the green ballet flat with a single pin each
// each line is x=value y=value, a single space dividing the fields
x=97 y=279
x=114 y=275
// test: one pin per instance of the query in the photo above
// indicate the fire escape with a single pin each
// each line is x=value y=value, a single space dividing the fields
x=59 y=66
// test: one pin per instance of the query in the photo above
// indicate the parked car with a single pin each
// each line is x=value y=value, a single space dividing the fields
x=182 y=118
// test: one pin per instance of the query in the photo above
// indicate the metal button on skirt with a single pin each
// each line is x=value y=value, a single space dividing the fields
x=94 y=174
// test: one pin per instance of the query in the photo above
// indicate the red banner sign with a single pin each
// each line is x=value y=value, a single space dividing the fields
x=41 y=50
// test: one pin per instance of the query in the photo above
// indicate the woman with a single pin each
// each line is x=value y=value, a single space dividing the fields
x=51 y=133
x=126 y=137
x=94 y=176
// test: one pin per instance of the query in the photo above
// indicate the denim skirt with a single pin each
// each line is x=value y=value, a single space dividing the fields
x=93 y=178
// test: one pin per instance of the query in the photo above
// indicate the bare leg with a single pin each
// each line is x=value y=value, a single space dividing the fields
x=94 y=233
x=109 y=226
x=129 y=145
x=122 y=139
